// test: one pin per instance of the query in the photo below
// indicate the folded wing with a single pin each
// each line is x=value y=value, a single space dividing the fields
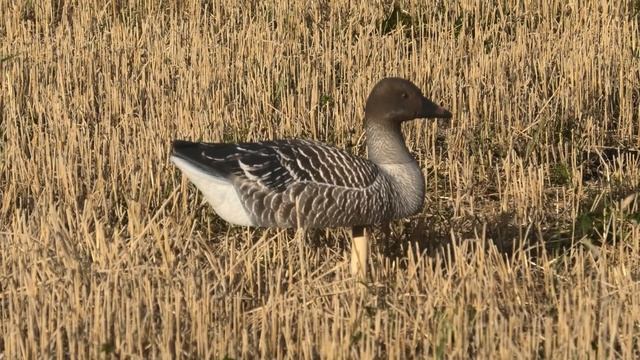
x=278 y=164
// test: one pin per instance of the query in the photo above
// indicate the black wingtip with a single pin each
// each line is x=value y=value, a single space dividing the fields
x=183 y=148
x=194 y=153
x=181 y=144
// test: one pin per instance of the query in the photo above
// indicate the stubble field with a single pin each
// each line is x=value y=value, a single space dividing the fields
x=528 y=245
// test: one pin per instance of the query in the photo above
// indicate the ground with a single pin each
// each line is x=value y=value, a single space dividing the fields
x=528 y=245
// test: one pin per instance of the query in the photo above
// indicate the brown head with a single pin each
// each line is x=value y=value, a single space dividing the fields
x=391 y=102
x=395 y=100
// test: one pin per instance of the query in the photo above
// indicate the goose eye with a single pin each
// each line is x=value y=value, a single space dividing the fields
x=405 y=95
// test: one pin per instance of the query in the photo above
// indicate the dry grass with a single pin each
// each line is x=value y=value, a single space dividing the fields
x=528 y=246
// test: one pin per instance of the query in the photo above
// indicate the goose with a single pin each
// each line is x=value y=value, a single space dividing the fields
x=297 y=183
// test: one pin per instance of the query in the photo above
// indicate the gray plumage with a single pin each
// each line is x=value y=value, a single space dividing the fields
x=303 y=183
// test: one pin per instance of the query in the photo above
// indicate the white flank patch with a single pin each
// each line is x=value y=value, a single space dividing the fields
x=218 y=192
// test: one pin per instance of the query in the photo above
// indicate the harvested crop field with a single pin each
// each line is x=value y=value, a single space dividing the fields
x=528 y=245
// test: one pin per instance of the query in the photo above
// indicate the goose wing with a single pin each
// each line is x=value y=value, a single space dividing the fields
x=278 y=164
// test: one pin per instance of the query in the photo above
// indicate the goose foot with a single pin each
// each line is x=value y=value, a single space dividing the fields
x=359 y=251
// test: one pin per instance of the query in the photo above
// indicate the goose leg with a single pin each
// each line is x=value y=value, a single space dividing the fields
x=359 y=251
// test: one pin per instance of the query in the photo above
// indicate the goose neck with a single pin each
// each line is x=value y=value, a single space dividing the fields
x=385 y=143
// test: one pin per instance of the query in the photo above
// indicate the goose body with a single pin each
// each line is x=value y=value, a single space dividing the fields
x=298 y=183
x=308 y=184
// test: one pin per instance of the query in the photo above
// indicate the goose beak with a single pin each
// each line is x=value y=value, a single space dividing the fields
x=433 y=110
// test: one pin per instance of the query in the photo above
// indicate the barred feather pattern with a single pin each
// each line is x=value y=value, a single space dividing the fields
x=302 y=183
